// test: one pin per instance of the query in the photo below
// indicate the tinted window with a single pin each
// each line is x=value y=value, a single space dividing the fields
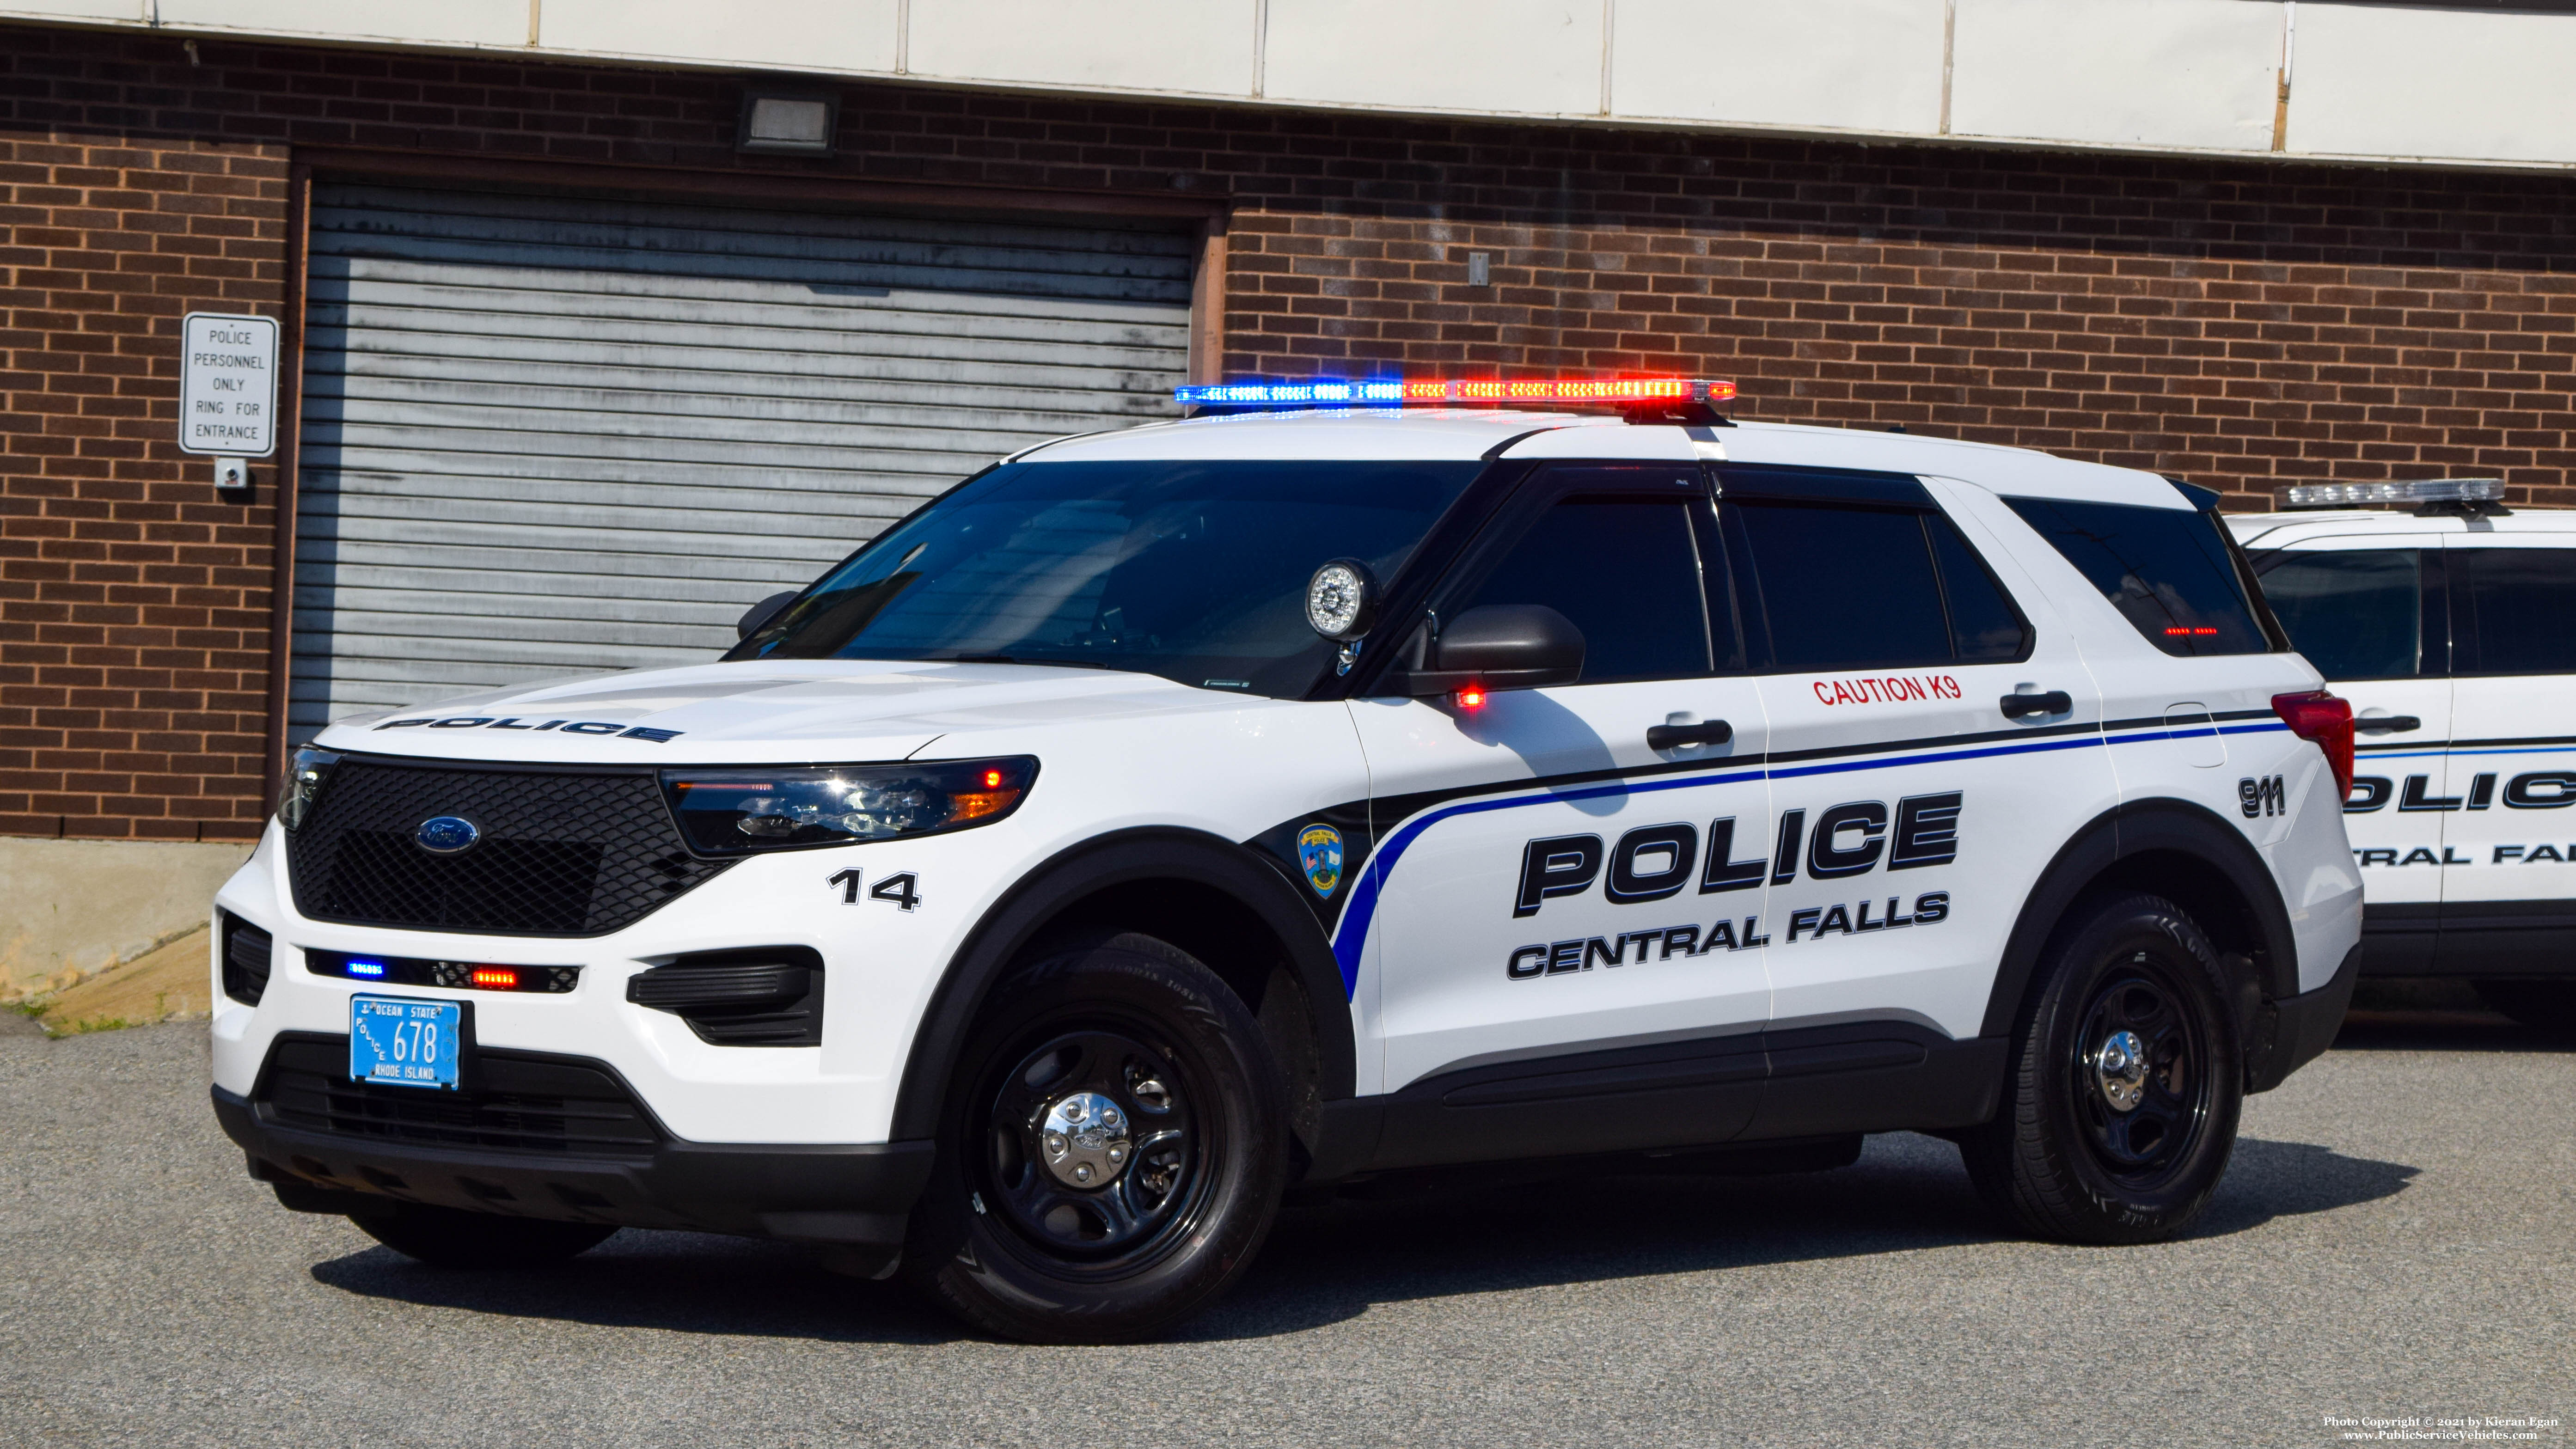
x=1626 y=571
x=2512 y=610
x=2355 y=615
x=1192 y=570
x=1984 y=627
x=2167 y=570
x=1864 y=587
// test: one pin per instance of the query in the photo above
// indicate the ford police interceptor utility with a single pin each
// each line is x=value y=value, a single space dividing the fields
x=2452 y=629
x=1164 y=818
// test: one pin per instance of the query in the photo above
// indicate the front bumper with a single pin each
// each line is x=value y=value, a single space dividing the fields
x=856 y=1196
x=2295 y=1030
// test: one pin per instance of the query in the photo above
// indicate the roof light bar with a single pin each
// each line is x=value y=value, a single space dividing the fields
x=2428 y=490
x=1393 y=392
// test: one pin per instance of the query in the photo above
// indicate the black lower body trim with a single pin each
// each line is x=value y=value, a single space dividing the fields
x=2296 y=1030
x=2470 y=938
x=1805 y=1082
x=825 y=1194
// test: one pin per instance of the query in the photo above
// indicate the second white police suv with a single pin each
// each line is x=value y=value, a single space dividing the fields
x=1165 y=819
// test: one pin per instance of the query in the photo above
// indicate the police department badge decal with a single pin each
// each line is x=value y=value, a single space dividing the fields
x=1319 y=854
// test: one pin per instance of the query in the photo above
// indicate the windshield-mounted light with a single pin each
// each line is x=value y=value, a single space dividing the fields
x=2427 y=490
x=740 y=810
x=304 y=777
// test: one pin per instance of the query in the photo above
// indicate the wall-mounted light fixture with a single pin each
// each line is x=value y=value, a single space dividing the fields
x=788 y=123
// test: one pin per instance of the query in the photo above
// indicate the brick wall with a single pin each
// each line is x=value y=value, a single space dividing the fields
x=2241 y=324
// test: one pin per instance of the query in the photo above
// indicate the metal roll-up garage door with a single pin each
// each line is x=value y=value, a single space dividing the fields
x=547 y=435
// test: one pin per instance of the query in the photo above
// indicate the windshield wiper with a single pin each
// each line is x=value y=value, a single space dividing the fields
x=1015 y=659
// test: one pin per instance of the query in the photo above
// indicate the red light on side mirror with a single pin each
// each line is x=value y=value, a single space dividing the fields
x=2324 y=720
x=1470 y=699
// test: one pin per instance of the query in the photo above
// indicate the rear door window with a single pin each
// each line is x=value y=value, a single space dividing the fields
x=2355 y=613
x=2169 y=571
x=2511 y=609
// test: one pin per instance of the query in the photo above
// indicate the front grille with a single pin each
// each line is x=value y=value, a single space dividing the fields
x=514 y=1102
x=563 y=853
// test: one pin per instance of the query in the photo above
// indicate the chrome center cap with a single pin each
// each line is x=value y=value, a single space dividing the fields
x=2120 y=1069
x=1084 y=1139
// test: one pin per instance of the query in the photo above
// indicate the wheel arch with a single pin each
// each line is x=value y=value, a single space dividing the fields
x=1198 y=891
x=2172 y=848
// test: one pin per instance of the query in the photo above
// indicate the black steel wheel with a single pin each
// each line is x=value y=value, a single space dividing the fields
x=1113 y=1146
x=2120 y=1113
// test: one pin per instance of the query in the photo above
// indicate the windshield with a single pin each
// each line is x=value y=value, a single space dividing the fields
x=1195 y=571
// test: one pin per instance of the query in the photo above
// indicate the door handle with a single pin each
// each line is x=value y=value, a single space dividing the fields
x=2382 y=724
x=1673 y=737
x=2056 y=701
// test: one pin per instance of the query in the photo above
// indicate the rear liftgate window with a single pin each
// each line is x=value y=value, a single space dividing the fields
x=1863 y=571
x=2169 y=571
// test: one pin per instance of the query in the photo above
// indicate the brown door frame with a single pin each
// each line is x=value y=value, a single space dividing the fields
x=1207 y=215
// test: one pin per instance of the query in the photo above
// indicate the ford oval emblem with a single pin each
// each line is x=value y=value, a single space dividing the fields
x=446 y=834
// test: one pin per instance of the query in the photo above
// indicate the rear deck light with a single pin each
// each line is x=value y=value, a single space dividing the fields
x=2325 y=720
x=1428 y=392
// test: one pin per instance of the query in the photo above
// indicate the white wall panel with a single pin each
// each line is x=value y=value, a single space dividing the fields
x=2386 y=81
x=1863 y=65
x=1531 y=57
x=1202 y=46
x=448 y=22
x=2189 y=73
x=134 y=10
x=789 y=34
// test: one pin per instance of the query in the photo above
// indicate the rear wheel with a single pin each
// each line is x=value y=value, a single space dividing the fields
x=2120 y=1113
x=451 y=1238
x=2549 y=1005
x=1111 y=1152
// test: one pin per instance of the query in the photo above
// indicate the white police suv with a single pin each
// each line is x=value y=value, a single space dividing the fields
x=2452 y=628
x=1161 y=819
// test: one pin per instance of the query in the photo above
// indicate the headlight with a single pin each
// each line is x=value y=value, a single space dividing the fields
x=730 y=812
x=304 y=777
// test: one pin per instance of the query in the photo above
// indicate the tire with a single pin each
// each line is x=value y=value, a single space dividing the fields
x=452 y=1238
x=2547 y=1004
x=1037 y=1223
x=2085 y=1153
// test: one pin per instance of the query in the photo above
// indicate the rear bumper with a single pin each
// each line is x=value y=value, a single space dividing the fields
x=850 y=1195
x=2301 y=1027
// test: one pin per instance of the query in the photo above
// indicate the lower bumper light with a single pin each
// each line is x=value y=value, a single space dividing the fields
x=758 y=997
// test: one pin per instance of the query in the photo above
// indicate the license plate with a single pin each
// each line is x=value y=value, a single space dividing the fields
x=404 y=1043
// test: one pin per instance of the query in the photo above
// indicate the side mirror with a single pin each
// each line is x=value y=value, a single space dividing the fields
x=1499 y=646
x=757 y=617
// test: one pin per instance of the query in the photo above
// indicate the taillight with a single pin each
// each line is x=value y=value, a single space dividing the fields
x=2326 y=719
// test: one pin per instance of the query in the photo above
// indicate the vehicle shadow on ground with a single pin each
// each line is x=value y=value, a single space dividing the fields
x=1331 y=1262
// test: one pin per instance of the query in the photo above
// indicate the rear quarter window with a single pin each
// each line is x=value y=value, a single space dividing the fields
x=2171 y=572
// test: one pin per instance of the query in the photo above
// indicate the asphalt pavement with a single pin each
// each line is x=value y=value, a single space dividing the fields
x=2396 y=1239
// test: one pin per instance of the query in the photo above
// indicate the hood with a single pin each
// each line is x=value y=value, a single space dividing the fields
x=763 y=712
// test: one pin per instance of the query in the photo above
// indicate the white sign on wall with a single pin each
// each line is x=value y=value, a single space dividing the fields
x=228 y=385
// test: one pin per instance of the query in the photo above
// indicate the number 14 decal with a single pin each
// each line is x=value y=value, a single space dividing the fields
x=904 y=889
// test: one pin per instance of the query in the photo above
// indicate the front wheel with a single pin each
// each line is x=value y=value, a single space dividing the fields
x=2120 y=1111
x=1112 y=1149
